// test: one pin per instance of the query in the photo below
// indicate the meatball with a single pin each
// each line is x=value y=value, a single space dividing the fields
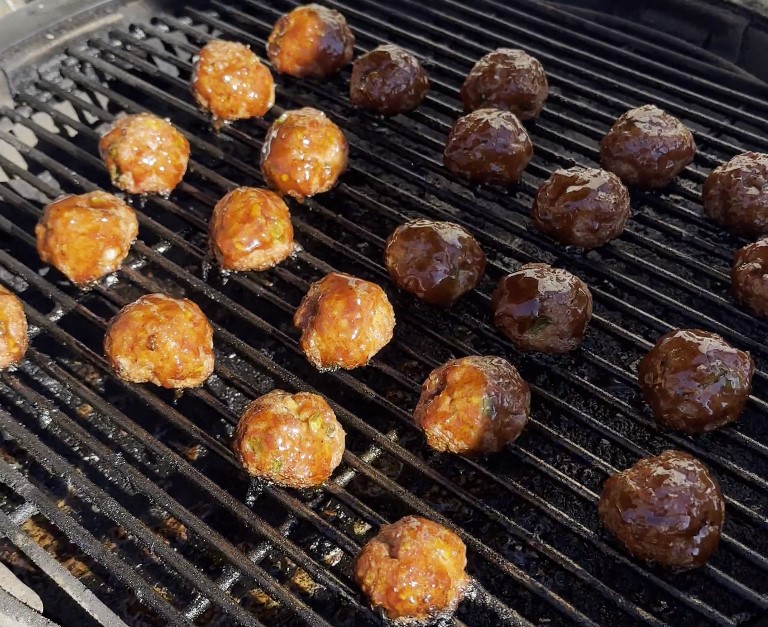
x=542 y=309
x=344 y=322
x=666 y=509
x=437 y=261
x=310 y=42
x=695 y=381
x=749 y=277
x=304 y=154
x=162 y=340
x=86 y=237
x=413 y=569
x=13 y=329
x=488 y=146
x=506 y=79
x=584 y=207
x=144 y=154
x=388 y=80
x=291 y=439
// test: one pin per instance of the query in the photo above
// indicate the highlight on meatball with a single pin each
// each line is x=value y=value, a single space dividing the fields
x=695 y=381
x=508 y=79
x=311 y=41
x=86 y=237
x=585 y=207
x=436 y=261
x=161 y=340
x=647 y=147
x=144 y=154
x=304 y=154
x=542 y=309
x=666 y=509
x=344 y=321
x=413 y=569
x=14 y=338
x=749 y=277
x=488 y=146
x=291 y=439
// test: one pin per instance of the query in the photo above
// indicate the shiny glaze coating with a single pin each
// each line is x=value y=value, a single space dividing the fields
x=437 y=261
x=749 y=277
x=413 y=569
x=161 y=340
x=291 y=439
x=344 y=322
x=144 y=154
x=543 y=309
x=14 y=339
x=488 y=146
x=86 y=237
x=666 y=509
x=473 y=405
x=647 y=147
x=310 y=42
x=695 y=381
x=584 y=207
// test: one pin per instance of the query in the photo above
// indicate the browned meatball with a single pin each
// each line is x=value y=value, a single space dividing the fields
x=749 y=277
x=695 y=381
x=162 y=340
x=310 y=42
x=507 y=79
x=344 y=322
x=388 y=80
x=488 y=146
x=291 y=439
x=666 y=509
x=647 y=147
x=584 y=207
x=413 y=569
x=144 y=154
x=437 y=261
x=304 y=154
x=542 y=309
x=86 y=237
x=13 y=329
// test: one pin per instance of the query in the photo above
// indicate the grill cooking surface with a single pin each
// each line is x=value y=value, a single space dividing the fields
x=136 y=491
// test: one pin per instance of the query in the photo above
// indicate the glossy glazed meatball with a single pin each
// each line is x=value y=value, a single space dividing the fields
x=749 y=277
x=304 y=154
x=291 y=439
x=161 y=340
x=666 y=509
x=695 y=381
x=584 y=207
x=310 y=42
x=144 y=154
x=647 y=147
x=344 y=322
x=437 y=261
x=506 y=79
x=13 y=329
x=413 y=569
x=542 y=309
x=86 y=237
x=488 y=146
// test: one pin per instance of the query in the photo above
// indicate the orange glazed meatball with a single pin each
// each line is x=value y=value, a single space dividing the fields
x=304 y=154
x=13 y=329
x=162 y=340
x=749 y=277
x=413 y=569
x=86 y=237
x=144 y=154
x=344 y=322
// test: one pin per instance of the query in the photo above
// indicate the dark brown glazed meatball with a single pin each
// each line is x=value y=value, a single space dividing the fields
x=647 y=147
x=13 y=329
x=437 y=261
x=749 y=277
x=508 y=79
x=543 y=309
x=666 y=509
x=310 y=42
x=488 y=146
x=344 y=322
x=291 y=439
x=695 y=381
x=584 y=207
x=413 y=569
x=388 y=80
